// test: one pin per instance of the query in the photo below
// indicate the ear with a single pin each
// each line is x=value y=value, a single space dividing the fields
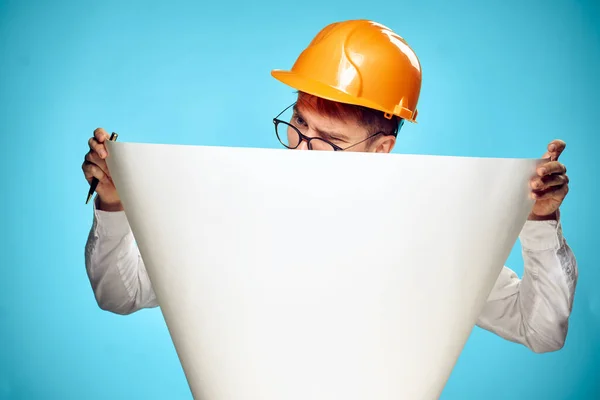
x=384 y=144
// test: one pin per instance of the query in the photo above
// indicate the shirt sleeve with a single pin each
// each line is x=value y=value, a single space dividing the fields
x=534 y=311
x=115 y=267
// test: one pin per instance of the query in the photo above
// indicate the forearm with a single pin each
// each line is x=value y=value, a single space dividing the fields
x=114 y=266
x=535 y=310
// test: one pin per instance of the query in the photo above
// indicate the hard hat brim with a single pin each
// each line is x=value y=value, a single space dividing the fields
x=315 y=88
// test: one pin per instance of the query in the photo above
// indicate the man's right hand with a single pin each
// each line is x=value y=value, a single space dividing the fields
x=94 y=166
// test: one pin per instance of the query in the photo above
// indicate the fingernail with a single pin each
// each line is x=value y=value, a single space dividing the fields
x=552 y=147
x=543 y=171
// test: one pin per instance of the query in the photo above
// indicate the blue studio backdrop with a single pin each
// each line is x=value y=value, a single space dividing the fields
x=501 y=79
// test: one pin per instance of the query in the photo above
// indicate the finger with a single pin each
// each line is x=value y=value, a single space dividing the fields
x=555 y=149
x=91 y=170
x=556 y=193
x=94 y=158
x=547 y=181
x=552 y=167
x=97 y=147
x=101 y=135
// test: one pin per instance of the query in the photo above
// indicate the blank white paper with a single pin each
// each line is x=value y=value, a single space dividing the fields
x=296 y=275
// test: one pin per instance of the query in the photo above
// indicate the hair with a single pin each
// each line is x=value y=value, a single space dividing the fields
x=373 y=120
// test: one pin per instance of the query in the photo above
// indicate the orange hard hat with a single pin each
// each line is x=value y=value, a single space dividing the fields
x=359 y=62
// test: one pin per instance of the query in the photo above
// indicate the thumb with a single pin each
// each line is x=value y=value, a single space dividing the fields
x=547 y=155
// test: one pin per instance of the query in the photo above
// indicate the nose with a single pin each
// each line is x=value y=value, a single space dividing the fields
x=303 y=145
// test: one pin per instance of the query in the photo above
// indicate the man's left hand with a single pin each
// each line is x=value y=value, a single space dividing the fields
x=550 y=185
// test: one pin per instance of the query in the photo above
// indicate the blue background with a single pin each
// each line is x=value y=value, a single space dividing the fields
x=501 y=78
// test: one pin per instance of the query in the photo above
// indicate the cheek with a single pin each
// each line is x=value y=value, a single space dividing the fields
x=368 y=147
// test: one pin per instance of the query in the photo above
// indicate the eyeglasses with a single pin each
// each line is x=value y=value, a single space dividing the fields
x=291 y=136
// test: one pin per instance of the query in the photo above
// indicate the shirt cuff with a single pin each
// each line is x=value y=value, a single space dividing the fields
x=110 y=223
x=541 y=235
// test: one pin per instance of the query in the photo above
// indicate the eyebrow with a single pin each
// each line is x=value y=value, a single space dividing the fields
x=328 y=135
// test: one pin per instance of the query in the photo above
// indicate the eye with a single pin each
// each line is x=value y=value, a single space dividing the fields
x=299 y=120
x=336 y=140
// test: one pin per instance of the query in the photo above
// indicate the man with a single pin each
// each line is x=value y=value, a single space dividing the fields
x=357 y=83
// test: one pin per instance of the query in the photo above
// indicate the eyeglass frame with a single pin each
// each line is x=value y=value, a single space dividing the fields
x=304 y=138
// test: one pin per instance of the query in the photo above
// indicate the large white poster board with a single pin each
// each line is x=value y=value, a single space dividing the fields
x=297 y=275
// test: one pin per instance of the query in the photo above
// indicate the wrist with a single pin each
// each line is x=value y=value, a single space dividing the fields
x=109 y=207
x=550 y=217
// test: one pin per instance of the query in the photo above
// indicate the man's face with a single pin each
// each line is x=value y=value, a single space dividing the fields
x=342 y=133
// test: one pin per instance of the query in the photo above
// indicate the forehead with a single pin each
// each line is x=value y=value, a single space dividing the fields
x=319 y=120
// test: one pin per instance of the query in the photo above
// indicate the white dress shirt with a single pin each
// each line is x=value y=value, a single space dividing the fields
x=533 y=311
